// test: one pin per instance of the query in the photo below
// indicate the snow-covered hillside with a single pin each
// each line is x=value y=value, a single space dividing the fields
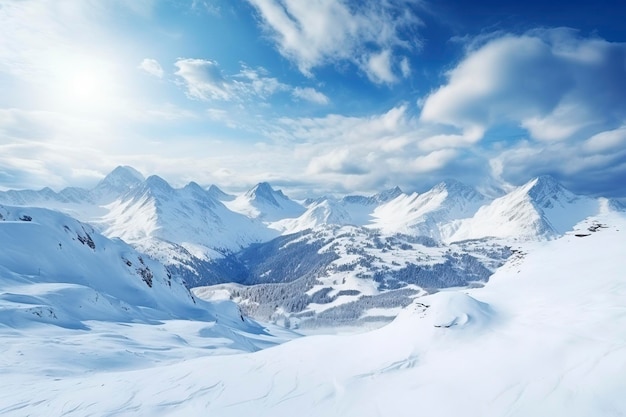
x=58 y=270
x=57 y=273
x=545 y=337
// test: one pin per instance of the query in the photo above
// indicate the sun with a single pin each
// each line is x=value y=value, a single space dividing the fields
x=89 y=84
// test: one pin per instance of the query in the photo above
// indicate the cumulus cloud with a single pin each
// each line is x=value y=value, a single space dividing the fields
x=310 y=94
x=379 y=67
x=563 y=90
x=152 y=67
x=553 y=83
x=434 y=160
x=369 y=152
x=321 y=32
x=203 y=79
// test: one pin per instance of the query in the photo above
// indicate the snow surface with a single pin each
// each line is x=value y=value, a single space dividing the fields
x=545 y=337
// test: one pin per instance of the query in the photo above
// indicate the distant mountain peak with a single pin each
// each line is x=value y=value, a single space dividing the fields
x=388 y=195
x=193 y=186
x=156 y=183
x=117 y=182
x=545 y=189
x=216 y=193
x=263 y=192
x=124 y=173
x=457 y=188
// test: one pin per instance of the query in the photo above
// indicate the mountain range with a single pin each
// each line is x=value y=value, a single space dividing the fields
x=324 y=259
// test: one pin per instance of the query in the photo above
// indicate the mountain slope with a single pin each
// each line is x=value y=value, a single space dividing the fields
x=78 y=274
x=430 y=213
x=539 y=209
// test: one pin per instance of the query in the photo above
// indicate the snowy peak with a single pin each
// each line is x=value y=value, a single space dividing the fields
x=540 y=209
x=319 y=214
x=429 y=214
x=545 y=191
x=263 y=193
x=387 y=195
x=122 y=177
x=375 y=199
x=116 y=183
x=161 y=220
x=264 y=203
x=457 y=189
x=216 y=193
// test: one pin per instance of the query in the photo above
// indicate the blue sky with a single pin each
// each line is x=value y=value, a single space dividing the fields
x=320 y=96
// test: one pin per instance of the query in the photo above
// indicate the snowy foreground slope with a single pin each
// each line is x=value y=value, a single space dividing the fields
x=545 y=337
x=57 y=273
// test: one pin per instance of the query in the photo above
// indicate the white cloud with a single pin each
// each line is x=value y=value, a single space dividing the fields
x=379 y=67
x=321 y=32
x=203 y=79
x=310 y=94
x=152 y=67
x=551 y=82
x=608 y=141
x=206 y=6
x=257 y=82
x=434 y=160
x=405 y=67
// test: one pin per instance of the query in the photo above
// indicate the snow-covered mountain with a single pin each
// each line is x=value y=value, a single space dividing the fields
x=264 y=203
x=117 y=182
x=318 y=214
x=182 y=227
x=353 y=210
x=539 y=209
x=217 y=194
x=361 y=208
x=430 y=213
x=344 y=275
